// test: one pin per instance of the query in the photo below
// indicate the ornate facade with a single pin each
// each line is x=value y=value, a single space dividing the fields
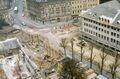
x=57 y=10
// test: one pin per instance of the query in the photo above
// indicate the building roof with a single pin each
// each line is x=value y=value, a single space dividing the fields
x=42 y=1
x=109 y=10
x=9 y=44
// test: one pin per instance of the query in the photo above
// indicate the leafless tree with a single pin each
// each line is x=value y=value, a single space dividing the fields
x=114 y=66
x=64 y=44
x=72 y=47
x=82 y=45
x=103 y=59
x=91 y=56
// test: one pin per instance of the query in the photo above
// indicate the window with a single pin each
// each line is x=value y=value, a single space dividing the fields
x=107 y=38
x=102 y=25
x=86 y=24
x=107 y=32
x=84 y=29
x=99 y=23
x=89 y=25
x=112 y=33
x=112 y=28
x=105 y=26
x=99 y=35
x=104 y=31
x=105 y=20
x=89 y=31
x=104 y=37
x=117 y=35
x=118 y=30
x=111 y=40
x=96 y=28
x=96 y=34
x=99 y=29
x=114 y=41
x=117 y=42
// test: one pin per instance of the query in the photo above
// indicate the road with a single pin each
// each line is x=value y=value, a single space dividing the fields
x=18 y=18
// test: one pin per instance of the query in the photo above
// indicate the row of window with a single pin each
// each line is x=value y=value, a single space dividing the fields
x=102 y=30
x=80 y=6
x=77 y=11
x=75 y=2
x=103 y=25
x=96 y=28
x=91 y=5
x=102 y=36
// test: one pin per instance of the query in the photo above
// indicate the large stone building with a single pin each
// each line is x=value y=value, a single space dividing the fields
x=102 y=24
x=57 y=10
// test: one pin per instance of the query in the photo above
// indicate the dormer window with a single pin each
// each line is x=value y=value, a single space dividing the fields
x=118 y=22
x=99 y=18
x=105 y=20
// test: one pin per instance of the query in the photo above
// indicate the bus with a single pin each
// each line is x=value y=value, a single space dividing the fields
x=15 y=9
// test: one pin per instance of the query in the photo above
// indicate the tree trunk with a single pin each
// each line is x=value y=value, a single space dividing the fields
x=72 y=49
x=91 y=57
x=101 y=69
x=65 y=51
x=81 y=53
x=113 y=76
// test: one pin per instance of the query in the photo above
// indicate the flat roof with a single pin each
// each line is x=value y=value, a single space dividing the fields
x=111 y=10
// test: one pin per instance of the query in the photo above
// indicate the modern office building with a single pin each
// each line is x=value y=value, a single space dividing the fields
x=102 y=24
x=57 y=10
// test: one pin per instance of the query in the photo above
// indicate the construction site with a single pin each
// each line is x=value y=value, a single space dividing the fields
x=28 y=49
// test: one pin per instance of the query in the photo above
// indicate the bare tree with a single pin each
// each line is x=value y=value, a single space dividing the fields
x=114 y=66
x=91 y=56
x=82 y=45
x=103 y=58
x=72 y=45
x=64 y=44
